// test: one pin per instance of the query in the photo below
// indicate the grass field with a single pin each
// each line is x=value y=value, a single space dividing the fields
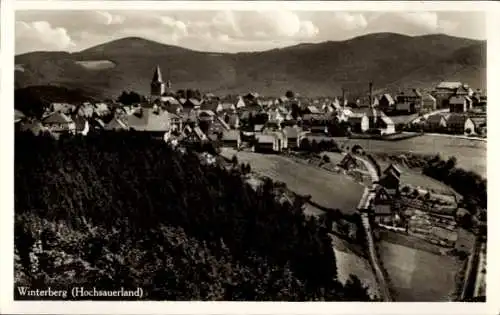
x=348 y=262
x=417 y=275
x=327 y=189
x=471 y=154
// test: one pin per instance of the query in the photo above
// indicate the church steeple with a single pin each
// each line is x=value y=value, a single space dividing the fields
x=157 y=85
x=157 y=75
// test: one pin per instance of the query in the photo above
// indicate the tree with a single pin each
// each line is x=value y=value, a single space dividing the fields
x=129 y=98
x=289 y=94
x=326 y=158
x=468 y=131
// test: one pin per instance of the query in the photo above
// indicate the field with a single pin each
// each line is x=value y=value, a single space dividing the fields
x=471 y=154
x=348 y=262
x=417 y=275
x=327 y=189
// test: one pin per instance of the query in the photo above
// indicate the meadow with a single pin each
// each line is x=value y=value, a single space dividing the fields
x=327 y=189
x=471 y=154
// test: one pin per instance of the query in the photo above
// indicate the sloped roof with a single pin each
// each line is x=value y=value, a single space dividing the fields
x=170 y=99
x=435 y=119
x=57 y=118
x=149 y=120
x=313 y=109
x=116 y=124
x=388 y=97
x=479 y=121
x=427 y=96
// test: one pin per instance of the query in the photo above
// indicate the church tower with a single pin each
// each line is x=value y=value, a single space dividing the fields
x=157 y=85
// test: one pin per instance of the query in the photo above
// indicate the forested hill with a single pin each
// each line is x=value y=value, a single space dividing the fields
x=123 y=210
x=391 y=61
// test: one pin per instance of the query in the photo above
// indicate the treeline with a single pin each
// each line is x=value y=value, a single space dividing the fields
x=124 y=210
x=467 y=183
x=318 y=146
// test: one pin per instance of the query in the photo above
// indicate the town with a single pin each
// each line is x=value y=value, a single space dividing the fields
x=397 y=207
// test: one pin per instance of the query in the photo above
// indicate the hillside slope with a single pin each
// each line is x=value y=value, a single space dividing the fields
x=390 y=60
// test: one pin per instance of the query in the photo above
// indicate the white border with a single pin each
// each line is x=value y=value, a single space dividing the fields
x=6 y=192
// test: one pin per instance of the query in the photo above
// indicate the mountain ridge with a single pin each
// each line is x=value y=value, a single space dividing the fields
x=390 y=60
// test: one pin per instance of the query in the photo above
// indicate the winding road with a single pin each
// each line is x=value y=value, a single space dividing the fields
x=363 y=208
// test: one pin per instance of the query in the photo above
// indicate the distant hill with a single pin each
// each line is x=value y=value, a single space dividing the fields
x=391 y=61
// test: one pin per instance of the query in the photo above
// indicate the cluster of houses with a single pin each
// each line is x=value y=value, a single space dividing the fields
x=269 y=124
x=414 y=211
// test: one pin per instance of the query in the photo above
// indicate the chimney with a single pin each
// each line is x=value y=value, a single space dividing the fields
x=343 y=98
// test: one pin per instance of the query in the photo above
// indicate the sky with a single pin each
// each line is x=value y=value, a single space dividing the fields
x=229 y=31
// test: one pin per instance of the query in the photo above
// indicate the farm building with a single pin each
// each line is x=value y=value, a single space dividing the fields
x=460 y=124
x=429 y=102
x=58 y=122
x=267 y=143
x=232 y=138
x=460 y=104
x=435 y=123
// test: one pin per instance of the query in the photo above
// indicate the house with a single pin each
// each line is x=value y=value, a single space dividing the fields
x=240 y=103
x=386 y=102
x=294 y=135
x=390 y=179
x=150 y=120
x=435 y=123
x=429 y=102
x=347 y=162
x=358 y=121
x=460 y=104
x=443 y=91
x=280 y=135
x=59 y=123
x=479 y=123
x=413 y=98
x=460 y=124
x=378 y=120
x=267 y=143
x=232 y=138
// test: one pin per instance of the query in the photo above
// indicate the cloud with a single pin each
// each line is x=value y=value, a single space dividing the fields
x=40 y=34
x=110 y=19
x=228 y=30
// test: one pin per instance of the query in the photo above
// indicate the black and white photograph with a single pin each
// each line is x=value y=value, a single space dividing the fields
x=250 y=155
